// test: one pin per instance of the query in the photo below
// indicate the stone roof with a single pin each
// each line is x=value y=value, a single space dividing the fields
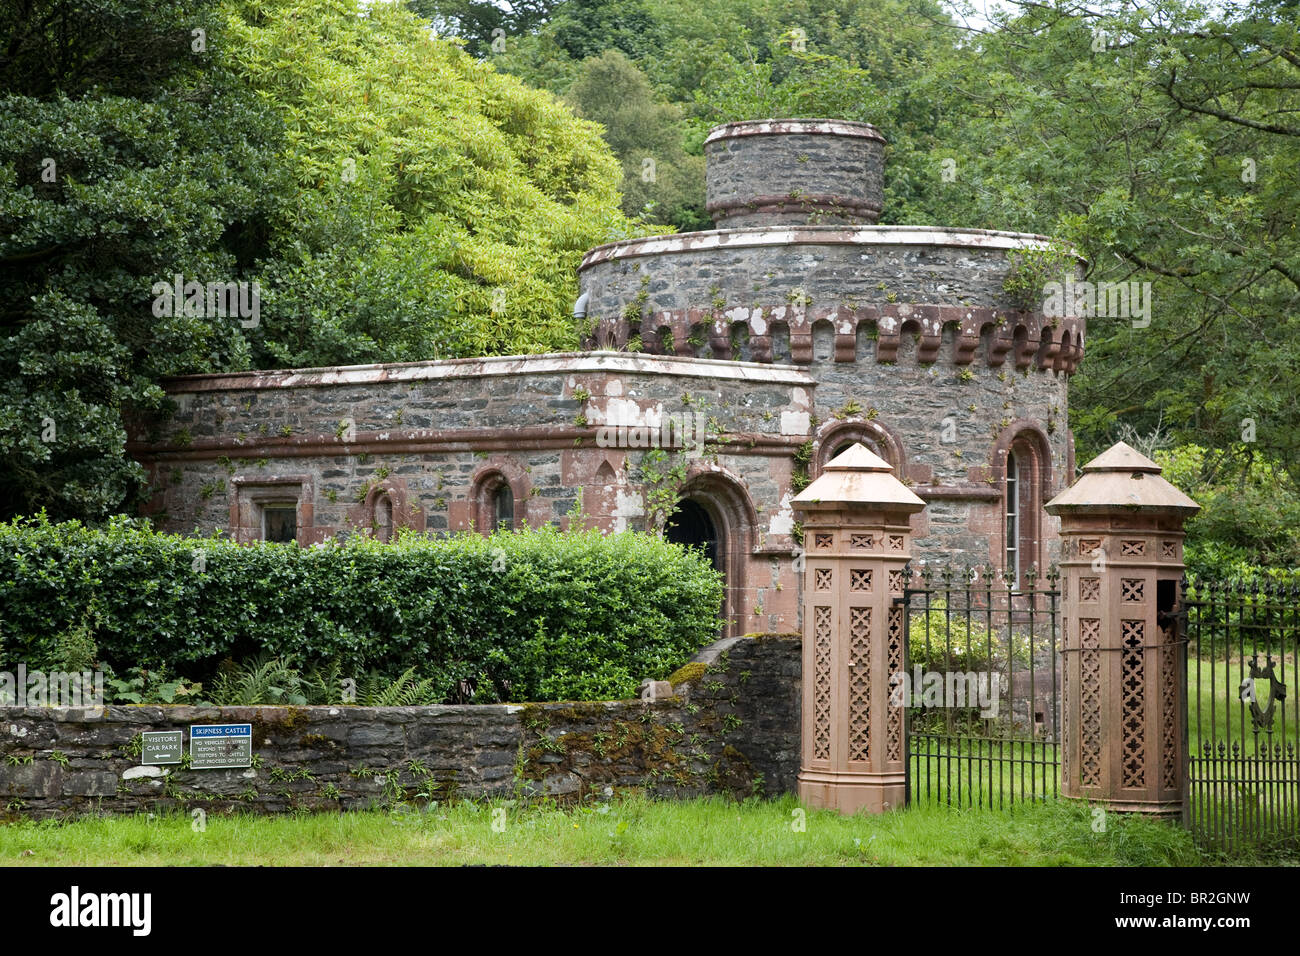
x=1121 y=477
x=857 y=477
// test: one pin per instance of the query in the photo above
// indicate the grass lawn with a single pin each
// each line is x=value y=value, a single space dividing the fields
x=632 y=831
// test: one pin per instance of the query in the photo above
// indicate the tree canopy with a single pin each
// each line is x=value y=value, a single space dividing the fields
x=384 y=194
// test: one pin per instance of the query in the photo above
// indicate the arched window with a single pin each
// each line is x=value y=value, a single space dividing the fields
x=503 y=507
x=1024 y=458
x=497 y=501
x=837 y=437
x=384 y=518
x=1013 y=522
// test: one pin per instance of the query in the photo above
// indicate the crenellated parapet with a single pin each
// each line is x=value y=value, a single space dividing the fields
x=785 y=333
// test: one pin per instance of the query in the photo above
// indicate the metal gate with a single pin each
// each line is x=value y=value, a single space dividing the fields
x=981 y=687
x=1243 y=770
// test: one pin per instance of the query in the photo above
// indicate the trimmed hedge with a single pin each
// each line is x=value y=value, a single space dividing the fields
x=530 y=615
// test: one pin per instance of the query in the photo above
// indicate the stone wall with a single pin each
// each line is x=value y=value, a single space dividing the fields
x=774 y=171
x=732 y=727
x=432 y=437
x=434 y=427
x=821 y=264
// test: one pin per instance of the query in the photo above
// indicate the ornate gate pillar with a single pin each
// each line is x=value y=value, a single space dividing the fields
x=855 y=532
x=1123 y=681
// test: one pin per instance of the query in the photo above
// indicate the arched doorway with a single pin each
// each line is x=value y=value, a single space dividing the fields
x=692 y=526
x=715 y=515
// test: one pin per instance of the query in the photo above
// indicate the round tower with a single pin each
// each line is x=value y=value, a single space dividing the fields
x=800 y=172
x=912 y=341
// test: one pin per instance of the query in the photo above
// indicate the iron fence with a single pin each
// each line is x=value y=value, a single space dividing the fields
x=981 y=687
x=1243 y=770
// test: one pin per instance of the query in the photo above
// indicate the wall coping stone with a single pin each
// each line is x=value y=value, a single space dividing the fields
x=786 y=127
x=815 y=235
x=627 y=363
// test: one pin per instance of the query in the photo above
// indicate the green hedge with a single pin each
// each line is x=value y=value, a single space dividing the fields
x=531 y=615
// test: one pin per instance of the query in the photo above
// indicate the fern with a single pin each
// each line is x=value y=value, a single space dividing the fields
x=405 y=691
x=263 y=680
x=323 y=684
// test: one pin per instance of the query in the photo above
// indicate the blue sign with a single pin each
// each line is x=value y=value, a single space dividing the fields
x=221 y=746
x=221 y=730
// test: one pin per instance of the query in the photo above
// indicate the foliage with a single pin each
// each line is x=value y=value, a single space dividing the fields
x=125 y=157
x=1032 y=269
x=663 y=474
x=944 y=640
x=144 y=686
x=263 y=680
x=274 y=681
x=957 y=636
x=1159 y=139
x=721 y=60
x=529 y=615
x=473 y=195
x=408 y=690
x=392 y=199
x=1244 y=525
x=660 y=181
x=480 y=23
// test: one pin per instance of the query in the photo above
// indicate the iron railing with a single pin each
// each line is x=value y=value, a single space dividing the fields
x=973 y=629
x=1243 y=770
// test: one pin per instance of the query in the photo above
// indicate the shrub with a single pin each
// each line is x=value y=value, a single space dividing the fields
x=529 y=615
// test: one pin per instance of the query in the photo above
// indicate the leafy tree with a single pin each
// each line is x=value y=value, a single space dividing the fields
x=1161 y=140
x=391 y=198
x=660 y=181
x=480 y=23
x=1243 y=521
x=721 y=60
x=128 y=154
x=463 y=199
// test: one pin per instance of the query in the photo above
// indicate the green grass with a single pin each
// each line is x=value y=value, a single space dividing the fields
x=633 y=831
x=983 y=771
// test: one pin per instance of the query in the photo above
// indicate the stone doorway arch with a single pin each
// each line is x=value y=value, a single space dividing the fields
x=691 y=525
x=714 y=513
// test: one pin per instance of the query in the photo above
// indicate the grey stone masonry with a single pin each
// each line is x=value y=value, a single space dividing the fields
x=768 y=172
x=731 y=727
x=797 y=330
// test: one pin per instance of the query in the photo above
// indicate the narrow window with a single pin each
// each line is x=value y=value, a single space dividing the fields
x=1013 y=520
x=280 y=522
x=503 y=502
x=384 y=518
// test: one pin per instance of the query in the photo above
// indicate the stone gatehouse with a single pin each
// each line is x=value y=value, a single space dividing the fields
x=796 y=327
